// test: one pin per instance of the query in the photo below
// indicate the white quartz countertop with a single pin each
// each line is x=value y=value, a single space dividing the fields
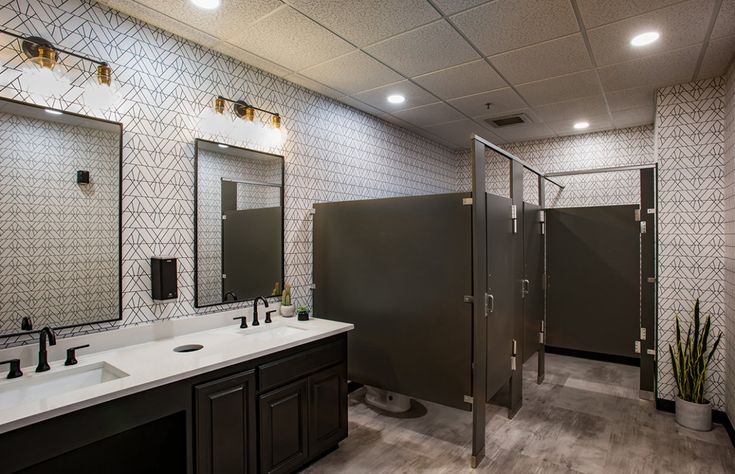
x=154 y=363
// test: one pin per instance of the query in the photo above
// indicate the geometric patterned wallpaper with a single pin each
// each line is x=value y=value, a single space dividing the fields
x=630 y=146
x=213 y=168
x=58 y=239
x=729 y=231
x=333 y=152
x=690 y=151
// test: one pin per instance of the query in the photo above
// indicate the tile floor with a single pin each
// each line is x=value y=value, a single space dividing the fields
x=585 y=418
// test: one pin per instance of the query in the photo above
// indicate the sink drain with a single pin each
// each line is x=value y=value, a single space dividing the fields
x=188 y=348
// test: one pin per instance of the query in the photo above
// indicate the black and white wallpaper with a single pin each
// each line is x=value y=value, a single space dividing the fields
x=58 y=239
x=690 y=150
x=333 y=152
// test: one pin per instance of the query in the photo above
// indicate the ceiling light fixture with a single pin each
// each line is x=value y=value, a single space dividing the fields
x=206 y=4
x=645 y=38
x=396 y=99
x=581 y=125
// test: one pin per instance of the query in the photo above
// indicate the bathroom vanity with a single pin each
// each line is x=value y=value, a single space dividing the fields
x=263 y=399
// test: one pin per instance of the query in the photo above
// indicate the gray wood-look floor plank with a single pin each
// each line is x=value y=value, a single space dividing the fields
x=585 y=418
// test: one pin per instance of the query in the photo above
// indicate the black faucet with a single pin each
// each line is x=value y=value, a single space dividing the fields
x=255 y=309
x=42 y=355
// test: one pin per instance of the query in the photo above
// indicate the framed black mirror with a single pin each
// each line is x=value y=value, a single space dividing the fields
x=238 y=207
x=60 y=225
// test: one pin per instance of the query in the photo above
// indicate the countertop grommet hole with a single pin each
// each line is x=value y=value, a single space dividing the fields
x=188 y=348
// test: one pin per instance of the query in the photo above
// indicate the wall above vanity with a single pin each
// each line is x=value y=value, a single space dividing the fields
x=332 y=152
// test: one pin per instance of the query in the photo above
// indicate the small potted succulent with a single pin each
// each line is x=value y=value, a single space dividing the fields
x=690 y=360
x=287 y=308
x=303 y=312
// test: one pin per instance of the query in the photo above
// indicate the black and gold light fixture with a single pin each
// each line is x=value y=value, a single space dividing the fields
x=43 y=75
x=241 y=124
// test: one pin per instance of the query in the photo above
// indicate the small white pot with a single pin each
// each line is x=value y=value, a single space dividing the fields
x=287 y=311
x=695 y=416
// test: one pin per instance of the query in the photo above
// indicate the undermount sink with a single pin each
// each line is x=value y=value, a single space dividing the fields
x=39 y=386
x=266 y=333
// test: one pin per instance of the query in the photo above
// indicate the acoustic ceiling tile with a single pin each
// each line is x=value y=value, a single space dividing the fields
x=363 y=22
x=502 y=101
x=541 y=61
x=458 y=81
x=504 y=25
x=561 y=88
x=291 y=39
x=425 y=49
x=353 y=72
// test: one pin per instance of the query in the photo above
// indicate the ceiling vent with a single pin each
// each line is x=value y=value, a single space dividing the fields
x=508 y=121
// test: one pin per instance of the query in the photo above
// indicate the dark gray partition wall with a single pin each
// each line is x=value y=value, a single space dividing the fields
x=593 y=292
x=500 y=290
x=399 y=269
x=533 y=260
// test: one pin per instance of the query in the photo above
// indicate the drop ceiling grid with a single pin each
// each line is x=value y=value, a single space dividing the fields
x=361 y=47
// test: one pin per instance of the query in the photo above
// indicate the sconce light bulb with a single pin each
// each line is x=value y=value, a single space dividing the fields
x=104 y=74
x=276 y=121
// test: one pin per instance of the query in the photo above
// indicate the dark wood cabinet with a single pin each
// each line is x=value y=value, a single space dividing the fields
x=226 y=425
x=284 y=428
x=275 y=414
x=327 y=409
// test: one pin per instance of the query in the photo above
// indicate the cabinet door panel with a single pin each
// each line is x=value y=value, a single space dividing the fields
x=327 y=408
x=225 y=425
x=283 y=428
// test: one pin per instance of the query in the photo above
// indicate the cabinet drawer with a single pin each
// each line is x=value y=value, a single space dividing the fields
x=296 y=366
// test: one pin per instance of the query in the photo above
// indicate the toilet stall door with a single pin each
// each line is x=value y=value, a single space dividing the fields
x=593 y=286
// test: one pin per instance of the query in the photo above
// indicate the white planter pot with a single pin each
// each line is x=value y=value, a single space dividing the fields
x=287 y=311
x=695 y=416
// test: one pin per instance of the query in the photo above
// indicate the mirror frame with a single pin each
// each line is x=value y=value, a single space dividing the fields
x=196 y=221
x=119 y=125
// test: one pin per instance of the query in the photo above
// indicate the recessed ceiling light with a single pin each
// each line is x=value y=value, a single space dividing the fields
x=53 y=112
x=581 y=125
x=222 y=145
x=644 y=39
x=396 y=99
x=206 y=4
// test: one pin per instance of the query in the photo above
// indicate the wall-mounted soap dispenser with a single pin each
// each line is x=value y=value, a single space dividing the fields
x=163 y=275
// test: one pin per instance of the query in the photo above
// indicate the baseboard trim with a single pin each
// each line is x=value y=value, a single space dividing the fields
x=633 y=361
x=719 y=417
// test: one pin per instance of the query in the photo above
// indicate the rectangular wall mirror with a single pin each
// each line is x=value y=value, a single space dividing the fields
x=60 y=195
x=239 y=224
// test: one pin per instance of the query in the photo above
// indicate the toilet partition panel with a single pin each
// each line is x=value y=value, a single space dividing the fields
x=593 y=293
x=399 y=269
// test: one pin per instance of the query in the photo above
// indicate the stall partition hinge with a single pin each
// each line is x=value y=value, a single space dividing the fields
x=466 y=201
x=512 y=362
x=312 y=287
x=651 y=352
x=513 y=354
x=312 y=211
x=637 y=215
x=541 y=332
x=651 y=279
x=224 y=276
x=468 y=399
x=651 y=211
x=637 y=347
x=514 y=217
x=643 y=334
x=643 y=227
x=467 y=299
x=224 y=217
x=525 y=288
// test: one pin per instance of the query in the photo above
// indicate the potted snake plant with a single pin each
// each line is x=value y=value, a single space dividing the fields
x=287 y=308
x=690 y=359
